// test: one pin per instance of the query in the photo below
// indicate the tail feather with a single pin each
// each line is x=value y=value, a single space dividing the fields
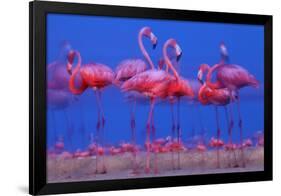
x=254 y=82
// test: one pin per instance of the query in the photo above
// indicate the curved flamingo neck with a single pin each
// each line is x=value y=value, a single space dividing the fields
x=201 y=98
x=76 y=70
x=168 y=61
x=209 y=82
x=143 y=50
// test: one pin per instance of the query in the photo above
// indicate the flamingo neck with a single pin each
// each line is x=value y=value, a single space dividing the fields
x=214 y=85
x=168 y=61
x=76 y=70
x=143 y=50
x=201 y=98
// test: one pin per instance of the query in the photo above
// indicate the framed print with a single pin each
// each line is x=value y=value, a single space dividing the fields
x=127 y=97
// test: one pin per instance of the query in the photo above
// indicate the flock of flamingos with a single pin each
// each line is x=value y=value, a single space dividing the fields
x=219 y=86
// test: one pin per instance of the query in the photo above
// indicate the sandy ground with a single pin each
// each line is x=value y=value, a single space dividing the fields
x=120 y=166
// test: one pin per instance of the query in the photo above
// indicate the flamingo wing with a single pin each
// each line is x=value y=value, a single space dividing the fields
x=235 y=77
x=149 y=82
x=129 y=68
x=219 y=96
x=97 y=75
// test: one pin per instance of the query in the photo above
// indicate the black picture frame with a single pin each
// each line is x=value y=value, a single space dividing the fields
x=37 y=97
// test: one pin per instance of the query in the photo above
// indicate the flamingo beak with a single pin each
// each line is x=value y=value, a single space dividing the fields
x=179 y=57
x=200 y=76
x=178 y=52
x=154 y=45
x=69 y=68
x=153 y=40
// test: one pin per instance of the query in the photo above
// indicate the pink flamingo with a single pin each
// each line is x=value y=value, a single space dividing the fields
x=131 y=67
x=59 y=96
x=233 y=77
x=217 y=97
x=151 y=83
x=176 y=88
x=96 y=76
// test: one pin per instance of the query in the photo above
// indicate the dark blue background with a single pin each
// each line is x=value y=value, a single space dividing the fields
x=109 y=40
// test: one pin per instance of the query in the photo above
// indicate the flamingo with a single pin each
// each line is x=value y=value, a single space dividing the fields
x=130 y=67
x=96 y=76
x=151 y=83
x=233 y=77
x=217 y=97
x=177 y=87
x=58 y=95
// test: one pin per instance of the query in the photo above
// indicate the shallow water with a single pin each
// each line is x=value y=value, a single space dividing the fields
x=120 y=166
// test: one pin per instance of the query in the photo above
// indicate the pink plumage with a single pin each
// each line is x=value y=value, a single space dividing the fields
x=129 y=68
x=235 y=77
x=97 y=75
x=151 y=83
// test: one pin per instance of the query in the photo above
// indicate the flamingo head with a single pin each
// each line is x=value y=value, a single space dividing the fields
x=70 y=59
x=173 y=43
x=223 y=51
x=178 y=52
x=147 y=31
x=202 y=69
x=66 y=47
x=153 y=39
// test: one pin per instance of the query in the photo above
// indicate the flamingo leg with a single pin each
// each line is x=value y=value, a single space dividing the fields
x=153 y=130
x=82 y=128
x=54 y=125
x=69 y=128
x=98 y=133
x=218 y=136
x=133 y=138
x=147 y=167
x=192 y=123
x=133 y=122
x=231 y=125
x=228 y=132
x=178 y=131
x=241 y=130
x=202 y=133
x=202 y=141
x=173 y=131
x=102 y=128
